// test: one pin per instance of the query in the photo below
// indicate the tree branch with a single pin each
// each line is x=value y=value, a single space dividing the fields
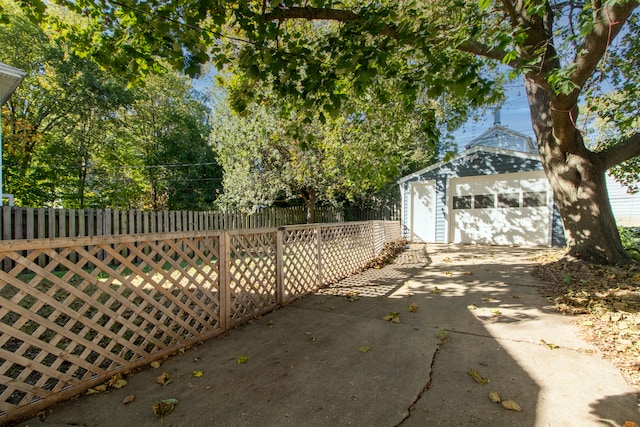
x=476 y=48
x=511 y=10
x=608 y=23
x=620 y=152
x=317 y=14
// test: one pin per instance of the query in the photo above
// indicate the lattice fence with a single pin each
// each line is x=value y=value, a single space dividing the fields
x=76 y=311
x=345 y=249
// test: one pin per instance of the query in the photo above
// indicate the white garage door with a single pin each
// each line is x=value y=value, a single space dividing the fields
x=508 y=209
x=423 y=211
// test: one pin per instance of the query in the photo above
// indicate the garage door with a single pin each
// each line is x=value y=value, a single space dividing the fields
x=423 y=212
x=508 y=209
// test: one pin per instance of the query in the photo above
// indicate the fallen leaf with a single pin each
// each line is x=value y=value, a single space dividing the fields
x=128 y=399
x=155 y=365
x=413 y=307
x=119 y=383
x=164 y=407
x=511 y=405
x=197 y=374
x=182 y=350
x=242 y=359
x=114 y=379
x=101 y=388
x=448 y=273
x=494 y=396
x=468 y=273
x=436 y=290
x=472 y=307
x=496 y=312
x=392 y=317
x=447 y=259
x=92 y=391
x=163 y=379
x=477 y=376
x=550 y=345
x=364 y=349
x=629 y=424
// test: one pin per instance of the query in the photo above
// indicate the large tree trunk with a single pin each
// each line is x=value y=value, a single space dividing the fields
x=577 y=180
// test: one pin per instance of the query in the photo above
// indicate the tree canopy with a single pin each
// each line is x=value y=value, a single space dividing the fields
x=323 y=52
x=276 y=153
x=76 y=135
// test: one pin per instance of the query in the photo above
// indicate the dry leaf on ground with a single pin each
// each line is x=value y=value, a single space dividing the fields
x=511 y=405
x=477 y=376
x=393 y=316
x=164 y=407
x=494 y=396
x=128 y=399
x=163 y=379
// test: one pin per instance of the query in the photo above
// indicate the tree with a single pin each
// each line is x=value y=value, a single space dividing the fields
x=275 y=153
x=169 y=124
x=324 y=51
x=56 y=117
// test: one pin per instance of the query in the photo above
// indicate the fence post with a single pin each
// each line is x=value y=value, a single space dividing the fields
x=319 y=250
x=225 y=280
x=280 y=291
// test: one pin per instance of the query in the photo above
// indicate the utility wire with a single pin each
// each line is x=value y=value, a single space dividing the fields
x=173 y=165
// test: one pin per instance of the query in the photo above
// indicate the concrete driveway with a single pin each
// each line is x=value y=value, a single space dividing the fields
x=331 y=359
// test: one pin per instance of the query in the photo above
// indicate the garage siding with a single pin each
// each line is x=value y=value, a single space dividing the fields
x=472 y=163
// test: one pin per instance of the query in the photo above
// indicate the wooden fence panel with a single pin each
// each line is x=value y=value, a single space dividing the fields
x=102 y=305
x=28 y=223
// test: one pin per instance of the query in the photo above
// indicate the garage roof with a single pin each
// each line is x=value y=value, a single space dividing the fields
x=469 y=153
x=10 y=78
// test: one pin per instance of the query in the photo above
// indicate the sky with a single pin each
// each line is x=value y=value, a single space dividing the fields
x=514 y=114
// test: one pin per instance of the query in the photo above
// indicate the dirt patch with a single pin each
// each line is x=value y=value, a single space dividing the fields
x=605 y=301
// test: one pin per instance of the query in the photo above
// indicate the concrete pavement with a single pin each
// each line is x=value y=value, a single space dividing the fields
x=331 y=358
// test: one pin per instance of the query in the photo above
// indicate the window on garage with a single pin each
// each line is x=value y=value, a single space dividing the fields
x=484 y=201
x=462 y=202
x=534 y=199
x=509 y=200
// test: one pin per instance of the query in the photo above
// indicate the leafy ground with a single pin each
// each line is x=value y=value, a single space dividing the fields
x=605 y=301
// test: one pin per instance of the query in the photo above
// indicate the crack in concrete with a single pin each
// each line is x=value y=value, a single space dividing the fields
x=426 y=387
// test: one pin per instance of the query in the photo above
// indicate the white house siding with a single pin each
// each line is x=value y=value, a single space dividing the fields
x=625 y=206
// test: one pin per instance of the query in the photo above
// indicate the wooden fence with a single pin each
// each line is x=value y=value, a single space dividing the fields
x=81 y=318
x=31 y=223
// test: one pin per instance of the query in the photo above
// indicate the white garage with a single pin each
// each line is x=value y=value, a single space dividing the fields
x=483 y=196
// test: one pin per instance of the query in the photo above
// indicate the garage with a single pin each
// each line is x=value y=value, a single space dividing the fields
x=508 y=209
x=485 y=195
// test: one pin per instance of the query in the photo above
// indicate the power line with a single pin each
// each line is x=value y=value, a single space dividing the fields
x=169 y=165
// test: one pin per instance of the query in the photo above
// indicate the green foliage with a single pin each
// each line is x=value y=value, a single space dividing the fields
x=631 y=241
x=617 y=110
x=77 y=136
x=275 y=152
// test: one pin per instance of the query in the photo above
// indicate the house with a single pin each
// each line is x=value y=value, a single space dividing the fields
x=10 y=78
x=494 y=192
